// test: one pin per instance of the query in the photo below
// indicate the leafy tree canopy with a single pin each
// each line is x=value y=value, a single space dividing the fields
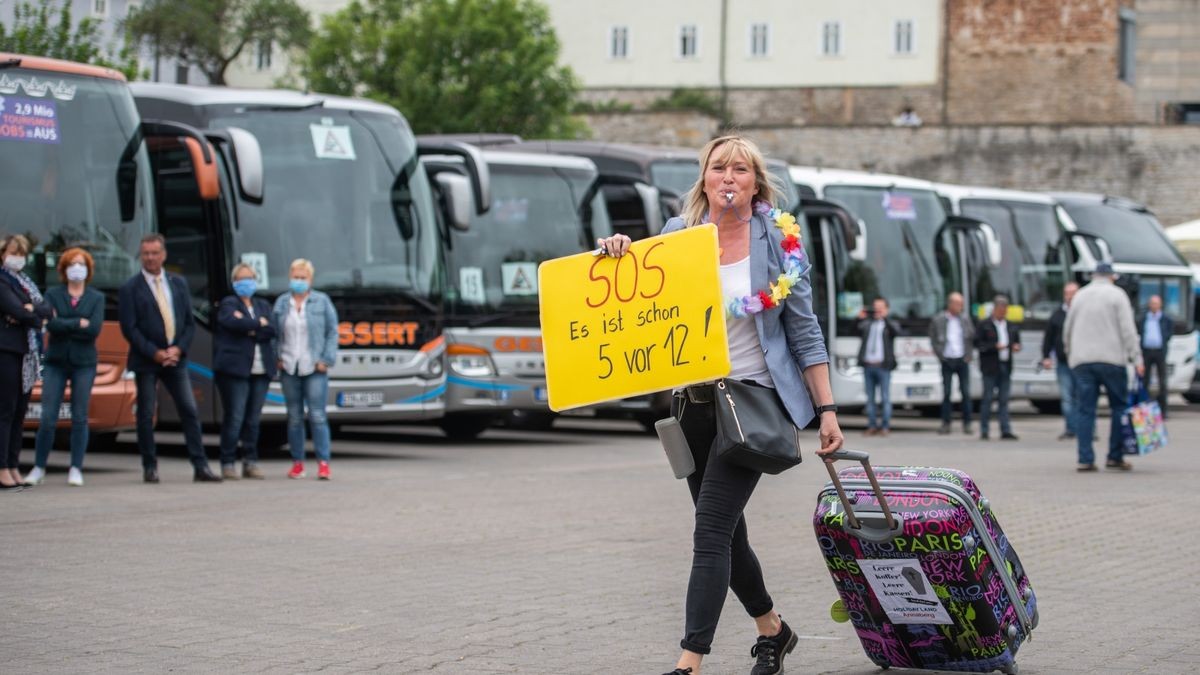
x=451 y=66
x=45 y=29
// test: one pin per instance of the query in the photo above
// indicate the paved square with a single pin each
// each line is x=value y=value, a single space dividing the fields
x=559 y=552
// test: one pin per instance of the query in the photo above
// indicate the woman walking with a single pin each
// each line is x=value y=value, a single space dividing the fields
x=23 y=312
x=243 y=365
x=775 y=343
x=70 y=358
x=307 y=327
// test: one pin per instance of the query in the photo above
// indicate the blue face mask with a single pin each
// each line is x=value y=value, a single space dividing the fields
x=298 y=286
x=245 y=287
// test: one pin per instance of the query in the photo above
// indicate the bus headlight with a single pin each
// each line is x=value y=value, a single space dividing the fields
x=470 y=361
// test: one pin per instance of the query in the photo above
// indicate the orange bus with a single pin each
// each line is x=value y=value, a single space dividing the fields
x=76 y=171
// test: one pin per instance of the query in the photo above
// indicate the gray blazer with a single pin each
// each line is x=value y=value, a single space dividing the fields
x=937 y=335
x=790 y=336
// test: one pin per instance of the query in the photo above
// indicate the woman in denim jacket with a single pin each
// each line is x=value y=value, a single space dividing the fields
x=306 y=325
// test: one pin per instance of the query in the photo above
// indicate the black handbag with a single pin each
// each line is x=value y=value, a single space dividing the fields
x=753 y=428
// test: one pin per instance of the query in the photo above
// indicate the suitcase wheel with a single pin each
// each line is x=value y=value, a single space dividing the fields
x=1011 y=669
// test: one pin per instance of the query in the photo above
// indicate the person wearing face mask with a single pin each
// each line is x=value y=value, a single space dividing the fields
x=23 y=312
x=306 y=326
x=244 y=363
x=70 y=357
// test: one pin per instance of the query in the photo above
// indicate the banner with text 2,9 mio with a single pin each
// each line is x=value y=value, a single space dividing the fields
x=650 y=320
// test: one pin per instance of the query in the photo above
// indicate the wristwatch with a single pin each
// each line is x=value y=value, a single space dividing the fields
x=832 y=407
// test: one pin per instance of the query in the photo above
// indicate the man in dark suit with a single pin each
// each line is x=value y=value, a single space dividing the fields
x=997 y=340
x=156 y=319
x=1154 y=331
x=1054 y=355
x=877 y=356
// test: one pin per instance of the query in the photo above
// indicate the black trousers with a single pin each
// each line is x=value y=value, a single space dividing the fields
x=1155 y=361
x=13 y=404
x=721 y=556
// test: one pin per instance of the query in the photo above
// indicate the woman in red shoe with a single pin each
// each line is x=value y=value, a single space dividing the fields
x=774 y=341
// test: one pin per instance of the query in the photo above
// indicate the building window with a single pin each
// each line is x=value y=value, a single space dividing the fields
x=132 y=6
x=904 y=37
x=263 y=55
x=100 y=7
x=181 y=74
x=1127 y=45
x=689 y=42
x=759 y=39
x=831 y=38
x=618 y=42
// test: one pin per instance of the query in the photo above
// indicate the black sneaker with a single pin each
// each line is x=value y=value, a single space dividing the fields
x=680 y=671
x=770 y=651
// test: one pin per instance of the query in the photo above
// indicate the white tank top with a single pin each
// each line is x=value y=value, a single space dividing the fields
x=745 y=351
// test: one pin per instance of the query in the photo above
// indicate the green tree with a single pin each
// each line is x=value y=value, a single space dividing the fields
x=450 y=65
x=212 y=34
x=45 y=29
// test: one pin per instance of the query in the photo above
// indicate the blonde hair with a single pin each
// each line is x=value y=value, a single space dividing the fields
x=20 y=240
x=724 y=150
x=304 y=264
x=242 y=267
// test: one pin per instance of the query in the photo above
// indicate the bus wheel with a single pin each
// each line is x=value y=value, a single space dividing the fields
x=464 y=427
x=102 y=442
x=1048 y=407
x=526 y=420
x=272 y=437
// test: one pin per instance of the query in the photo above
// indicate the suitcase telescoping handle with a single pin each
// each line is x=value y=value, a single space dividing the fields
x=865 y=459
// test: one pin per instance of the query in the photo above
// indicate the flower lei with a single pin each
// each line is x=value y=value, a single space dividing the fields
x=794 y=267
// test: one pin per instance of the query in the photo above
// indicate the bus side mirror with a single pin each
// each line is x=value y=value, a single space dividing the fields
x=991 y=244
x=456 y=199
x=856 y=239
x=652 y=199
x=247 y=154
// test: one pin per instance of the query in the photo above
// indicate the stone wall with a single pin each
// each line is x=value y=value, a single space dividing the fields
x=1155 y=165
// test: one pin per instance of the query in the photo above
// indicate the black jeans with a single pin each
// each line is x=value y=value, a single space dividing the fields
x=177 y=383
x=1156 y=362
x=13 y=404
x=721 y=556
x=950 y=368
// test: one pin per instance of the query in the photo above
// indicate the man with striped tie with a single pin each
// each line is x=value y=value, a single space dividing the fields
x=156 y=319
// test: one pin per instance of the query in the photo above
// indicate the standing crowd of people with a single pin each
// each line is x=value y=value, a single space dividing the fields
x=52 y=337
x=1089 y=342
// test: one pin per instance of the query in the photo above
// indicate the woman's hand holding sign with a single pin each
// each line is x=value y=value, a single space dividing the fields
x=614 y=246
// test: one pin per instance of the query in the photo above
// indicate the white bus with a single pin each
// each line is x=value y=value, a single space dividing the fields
x=910 y=250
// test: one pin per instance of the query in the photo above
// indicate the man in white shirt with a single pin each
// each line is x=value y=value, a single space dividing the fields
x=998 y=340
x=877 y=356
x=952 y=335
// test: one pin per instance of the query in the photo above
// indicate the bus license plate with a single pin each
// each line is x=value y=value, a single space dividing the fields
x=35 y=411
x=360 y=399
x=539 y=394
x=920 y=392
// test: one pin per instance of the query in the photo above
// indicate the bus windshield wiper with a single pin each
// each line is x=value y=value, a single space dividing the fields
x=283 y=108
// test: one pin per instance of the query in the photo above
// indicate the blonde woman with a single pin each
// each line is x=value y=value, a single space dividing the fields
x=306 y=324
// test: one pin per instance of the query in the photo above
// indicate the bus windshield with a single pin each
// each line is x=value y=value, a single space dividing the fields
x=1176 y=294
x=344 y=189
x=1032 y=270
x=75 y=171
x=908 y=260
x=1134 y=237
x=537 y=214
x=679 y=176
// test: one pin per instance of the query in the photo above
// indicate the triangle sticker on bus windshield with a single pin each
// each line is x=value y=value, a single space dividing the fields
x=332 y=142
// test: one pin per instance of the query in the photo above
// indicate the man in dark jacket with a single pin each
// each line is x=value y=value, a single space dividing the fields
x=156 y=318
x=877 y=356
x=1055 y=356
x=1154 y=331
x=997 y=341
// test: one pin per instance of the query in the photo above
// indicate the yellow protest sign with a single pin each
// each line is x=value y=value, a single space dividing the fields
x=650 y=320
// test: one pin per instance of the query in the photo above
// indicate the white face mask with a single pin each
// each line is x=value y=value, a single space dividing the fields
x=76 y=272
x=16 y=263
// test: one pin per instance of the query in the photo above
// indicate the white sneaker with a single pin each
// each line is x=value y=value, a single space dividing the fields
x=75 y=477
x=36 y=476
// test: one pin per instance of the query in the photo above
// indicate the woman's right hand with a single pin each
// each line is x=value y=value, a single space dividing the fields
x=615 y=246
x=84 y=323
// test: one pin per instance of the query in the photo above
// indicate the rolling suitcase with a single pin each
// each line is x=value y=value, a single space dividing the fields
x=925 y=574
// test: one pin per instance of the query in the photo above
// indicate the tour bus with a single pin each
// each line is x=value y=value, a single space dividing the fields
x=1148 y=264
x=76 y=172
x=337 y=181
x=1038 y=256
x=543 y=207
x=909 y=250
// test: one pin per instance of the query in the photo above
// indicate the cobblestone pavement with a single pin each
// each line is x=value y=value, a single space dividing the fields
x=560 y=552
